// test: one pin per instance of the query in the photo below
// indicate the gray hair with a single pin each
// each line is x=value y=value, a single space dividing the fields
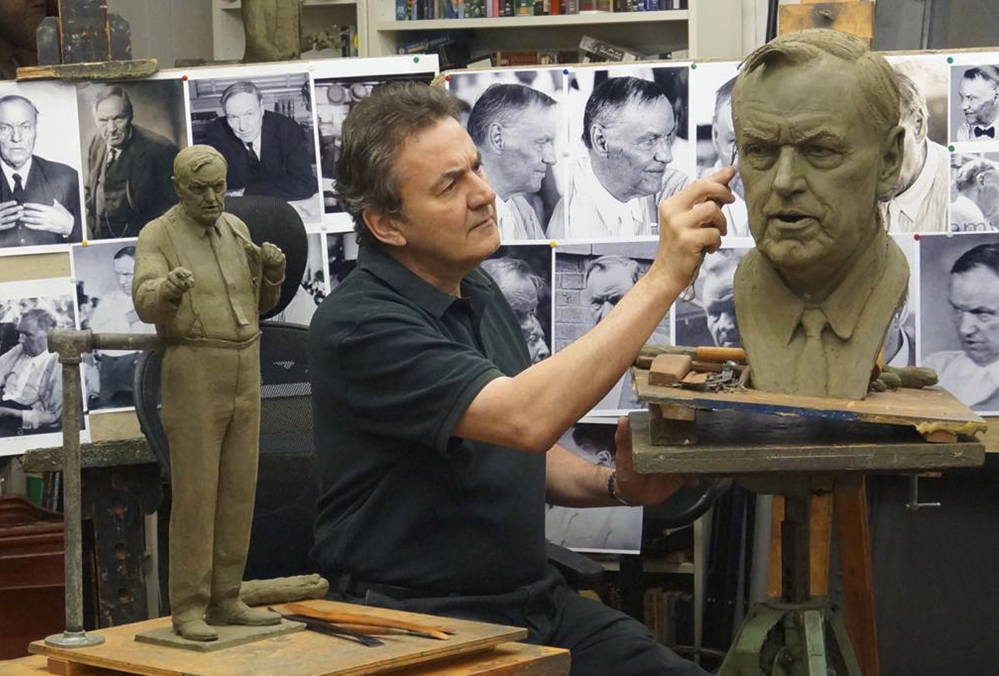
x=613 y=261
x=501 y=103
x=113 y=91
x=502 y=269
x=240 y=87
x=20 y=99
x=41 y=318
x=969 y=172
x=875 y=76
x=374 y=132
x=912 y=103
x=988 y=73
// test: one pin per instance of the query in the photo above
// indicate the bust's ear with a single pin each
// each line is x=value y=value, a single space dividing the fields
x=598 y=139
x=892 y=150
x=384 y=227
x=494 y=137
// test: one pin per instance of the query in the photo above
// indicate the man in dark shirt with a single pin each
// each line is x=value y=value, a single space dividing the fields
x=435 y=436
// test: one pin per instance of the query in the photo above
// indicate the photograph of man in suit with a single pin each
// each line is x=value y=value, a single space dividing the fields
x=39 y=198
x=979 y=92
x=130 y=169
x=267 y=153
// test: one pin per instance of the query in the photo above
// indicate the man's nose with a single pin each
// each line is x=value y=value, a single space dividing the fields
x=663 y=153
x=966 y=325
x=481 y=193
x=15 y=134
x=548 y=153
x=787 y=179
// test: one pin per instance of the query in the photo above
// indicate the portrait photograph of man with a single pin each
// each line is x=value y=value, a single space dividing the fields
x=103 y=272
x=959 y=322
x=709 y=319
x=974 y=192
x=628 y=136
x=590 y=279
x=974 y=103
x=594 y=529
x=131 y=131
x=30 y=374
x=516 y=120
x=311 y=289
x=335 y=96
x=39 y=167
x=523 y=273
x=265 y=128
x=918 y=201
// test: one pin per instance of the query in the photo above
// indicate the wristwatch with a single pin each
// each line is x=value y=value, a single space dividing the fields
x=612 y=489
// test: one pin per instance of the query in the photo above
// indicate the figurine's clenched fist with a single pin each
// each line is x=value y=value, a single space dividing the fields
x=273 y=260
x=178 y=282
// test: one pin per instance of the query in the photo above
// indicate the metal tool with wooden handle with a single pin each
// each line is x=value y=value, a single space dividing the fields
x=369 y=621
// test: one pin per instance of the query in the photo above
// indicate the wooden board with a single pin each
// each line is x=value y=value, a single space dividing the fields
x=738 y=442
x=927 y=410
x=304 y=653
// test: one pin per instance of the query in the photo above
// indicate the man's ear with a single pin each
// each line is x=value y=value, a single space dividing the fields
x=598 y=139
x=494 y=137
x=891 y=158
x=384 y=227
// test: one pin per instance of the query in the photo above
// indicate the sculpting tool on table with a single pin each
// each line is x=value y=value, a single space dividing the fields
x=370 y=624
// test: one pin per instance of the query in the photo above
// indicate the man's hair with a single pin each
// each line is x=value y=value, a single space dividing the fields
x=501 y=104
x=983 y=255
x=723 y=97
x=41 y=318
x=969 y=172
x=128 y=251
x=506 y=267
x=613 y=94
x=192 y=158
x=374 y=132
x=240 y=87
x=875 y=76
x=110 y=92
x=613 y=261
x=988 y=73
x=911 y=99
x=26 y=101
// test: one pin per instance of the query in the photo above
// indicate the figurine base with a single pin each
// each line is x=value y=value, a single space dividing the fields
x=229 y=636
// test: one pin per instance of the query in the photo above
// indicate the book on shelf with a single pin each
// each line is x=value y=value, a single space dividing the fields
x=533 y=58
x=410 y=10
x=598 y=50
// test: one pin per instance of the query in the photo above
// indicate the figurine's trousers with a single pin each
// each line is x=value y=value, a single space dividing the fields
x=211 y=415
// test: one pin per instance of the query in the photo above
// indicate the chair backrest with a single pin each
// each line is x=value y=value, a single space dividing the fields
x=285 y=505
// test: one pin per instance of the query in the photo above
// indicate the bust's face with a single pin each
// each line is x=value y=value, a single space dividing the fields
x=202 y=192
x=811 y=162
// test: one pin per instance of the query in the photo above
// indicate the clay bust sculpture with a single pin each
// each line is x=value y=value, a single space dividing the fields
x=272 y=29
x=203 y=283
x=816 y=119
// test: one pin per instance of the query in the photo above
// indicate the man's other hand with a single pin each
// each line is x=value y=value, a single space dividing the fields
x=691 y=223
x=10 y=214
x=642 y=489
x=178 y=282
x=273 y=260
x=55 y=218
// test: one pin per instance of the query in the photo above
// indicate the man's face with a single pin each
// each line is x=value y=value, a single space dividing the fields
x=812 y=164
x=244 y=115
x=522 y=295
x=202 y=192
x=33 y=340
x=718 y=299
x=974 y=299
x=449 y=218
x=528 y=149
x=723 y=137
x=17 y=133
x=605 y=287
x=113 y=121
x=124 y=269
x=638 y=145
x=978 y=100
x=987 y=199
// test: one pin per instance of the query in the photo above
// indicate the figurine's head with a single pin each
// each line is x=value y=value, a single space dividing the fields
x=817 y=125
x=199 y=180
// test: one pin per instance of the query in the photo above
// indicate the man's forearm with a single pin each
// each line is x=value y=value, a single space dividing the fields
x=573 y=482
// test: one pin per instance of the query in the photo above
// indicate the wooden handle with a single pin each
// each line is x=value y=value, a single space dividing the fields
x=669 y=369
x=721 y=354
x=342 y=618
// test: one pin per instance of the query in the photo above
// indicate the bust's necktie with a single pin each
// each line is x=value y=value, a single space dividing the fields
x=251 y=157
x=985 y=131
x=813 y=370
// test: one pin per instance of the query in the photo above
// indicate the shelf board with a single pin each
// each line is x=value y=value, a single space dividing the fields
x=528 y=21
x=236 y=5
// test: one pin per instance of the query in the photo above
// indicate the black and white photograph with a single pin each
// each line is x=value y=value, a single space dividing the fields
x=30 y=374
x=341 y=258
x=974 y=102
x=709 y=317
x=900 y=340
x=594 y=529
x=335 y=97
x=918 y=201
x=974 y=192
x=590 y=279
x=311 y=289
x=516 y=119
x=711 y=87
x=103 y=272
x=130 y=133
x=959 y=315
x=629 y=149
x=523 y=273
x=39 y=167
x=265 y=128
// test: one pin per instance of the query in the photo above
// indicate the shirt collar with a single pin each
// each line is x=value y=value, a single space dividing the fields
x=9 y=171
x=841 y=307
x=609 y=209
x=911 y=200
x=408 y=284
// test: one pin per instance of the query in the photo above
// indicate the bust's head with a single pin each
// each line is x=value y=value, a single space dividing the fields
x=816 y=117
x=199 y=174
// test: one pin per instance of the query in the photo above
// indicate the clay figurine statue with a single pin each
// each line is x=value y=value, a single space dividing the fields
x=203 y=283
x=816 y=120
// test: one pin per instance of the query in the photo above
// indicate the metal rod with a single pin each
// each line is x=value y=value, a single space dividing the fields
x=72 y=499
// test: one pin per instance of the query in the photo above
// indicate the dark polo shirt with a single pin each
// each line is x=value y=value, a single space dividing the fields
x=394 y=364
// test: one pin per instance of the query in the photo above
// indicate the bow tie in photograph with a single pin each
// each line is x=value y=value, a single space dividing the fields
x=985 y=131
